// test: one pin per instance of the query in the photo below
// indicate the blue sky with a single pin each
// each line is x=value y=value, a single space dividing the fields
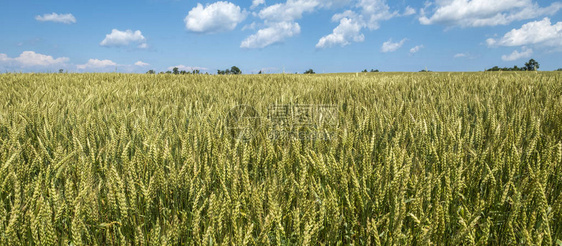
x=277 y=36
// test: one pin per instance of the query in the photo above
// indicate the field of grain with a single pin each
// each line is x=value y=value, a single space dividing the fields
x=413 y=158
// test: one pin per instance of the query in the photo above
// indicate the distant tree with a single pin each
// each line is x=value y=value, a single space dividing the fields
x=232 y=70
x=61 y=70
x=161 y=73
x=532 y=65
x=364 y=71
x=424 y=70
x=168 y=72
x=560 y=69
x=176 y=70
x=151 y=71
x=374 y=70
x=259 y=72
x=309 y=71
x=514 y=68
x=235 y=70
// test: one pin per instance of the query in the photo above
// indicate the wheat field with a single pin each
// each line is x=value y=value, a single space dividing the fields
x=414 y=159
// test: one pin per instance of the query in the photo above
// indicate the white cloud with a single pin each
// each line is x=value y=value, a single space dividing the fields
x=282 y=18
x=389 y=46
x=416 y=49
x=275 y=33
x=409 y=11
x=32 y=59
x=186 y=68
x=54 y=17
x=369 y=15
x=460 y=55
x=375 y=11
x=141 y=64
x=124 y=38
x=251 y=26
x=288 y=11
x=476 y=13
x=533 y=33
x=213 y=18
x=345 y=31
x=256 y=3
x=4 y=58
x=516 y=55
x=96 y=64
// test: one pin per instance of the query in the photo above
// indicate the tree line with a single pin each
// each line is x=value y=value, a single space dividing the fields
x=531 y=65
x=176 y=71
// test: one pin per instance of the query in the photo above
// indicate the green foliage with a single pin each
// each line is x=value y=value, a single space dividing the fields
x=514 y=68
x=531 y=65
x=150 y=72
x=233 y=70
x=372 y=71
x=416 y=159
x=309 y=71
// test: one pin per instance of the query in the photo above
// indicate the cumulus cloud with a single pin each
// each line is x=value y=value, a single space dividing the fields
x=275 y=33
x=282 y=18
x=256 y=3
x=415 y=49
x=476 y=13
x=389 y=46
x=372 y=12
x=96 y=64
x=59 y=18
x=347 y=30
x=516 y=55
x=4 y=57
x=251 y=26
x=187 y=68
x=289 y=11
x=409 y=11
x=213 y=18
x=123 y=38
x=369 y=14
x=541 y=32
x=141 y=64
x=32 y=59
